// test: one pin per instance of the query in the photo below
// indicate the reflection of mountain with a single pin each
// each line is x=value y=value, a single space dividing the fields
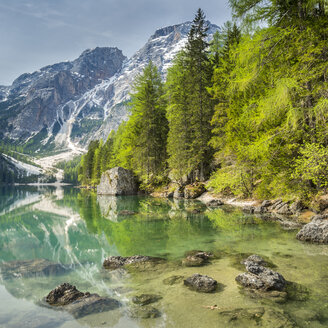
x=12 y=198
x=47 y=229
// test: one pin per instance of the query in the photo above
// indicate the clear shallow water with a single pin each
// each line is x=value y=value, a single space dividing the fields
x=78 y=230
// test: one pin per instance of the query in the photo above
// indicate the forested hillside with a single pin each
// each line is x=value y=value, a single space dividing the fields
x=248 y=111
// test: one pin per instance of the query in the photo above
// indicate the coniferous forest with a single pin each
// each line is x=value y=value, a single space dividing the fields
x=247 y=110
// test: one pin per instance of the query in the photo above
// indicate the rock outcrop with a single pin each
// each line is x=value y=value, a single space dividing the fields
x=316 y=231
x=67 y=297
x=201 y=283
x=259 y=277
x=117 y=181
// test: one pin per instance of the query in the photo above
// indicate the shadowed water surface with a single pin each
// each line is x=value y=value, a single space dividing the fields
x=77 y=230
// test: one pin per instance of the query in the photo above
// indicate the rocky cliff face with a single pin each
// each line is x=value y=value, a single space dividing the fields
x=37 y=105
x=70 y=103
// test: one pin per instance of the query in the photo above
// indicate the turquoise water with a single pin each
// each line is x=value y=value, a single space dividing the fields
x=78 y=230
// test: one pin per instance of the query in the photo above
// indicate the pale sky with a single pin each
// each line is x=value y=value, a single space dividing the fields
x=36 y=33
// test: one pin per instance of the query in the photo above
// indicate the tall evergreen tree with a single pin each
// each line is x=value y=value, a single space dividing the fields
x=188 y=96
x=148 y=125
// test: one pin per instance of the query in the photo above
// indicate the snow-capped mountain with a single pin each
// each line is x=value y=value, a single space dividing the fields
x=70 y=103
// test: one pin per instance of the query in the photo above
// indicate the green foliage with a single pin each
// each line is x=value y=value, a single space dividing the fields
x=148 y=125
x=271 y=102
x=311 y=166
x=71 y=169
x=140 y=143
x=190 y=107
x=252 y=107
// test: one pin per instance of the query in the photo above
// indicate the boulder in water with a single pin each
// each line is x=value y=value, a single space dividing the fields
x=316 y=231
x=201 y=283
x=69 y=298
x=117 y=181
x=259 y=277
x=115 y=262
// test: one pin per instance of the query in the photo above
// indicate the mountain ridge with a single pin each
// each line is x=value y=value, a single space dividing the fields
x=67 y=104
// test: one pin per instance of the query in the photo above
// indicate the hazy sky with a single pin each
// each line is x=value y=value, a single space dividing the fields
x=35 y=33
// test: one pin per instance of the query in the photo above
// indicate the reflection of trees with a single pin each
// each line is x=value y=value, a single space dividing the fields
x=156 y=228
x=234 y=225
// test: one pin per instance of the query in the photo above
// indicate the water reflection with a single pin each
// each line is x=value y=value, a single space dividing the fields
x=77 y=230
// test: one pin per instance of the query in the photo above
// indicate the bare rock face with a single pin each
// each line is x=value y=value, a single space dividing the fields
x=117 y=181
x=201 y=283
x=30 y=268
x=115 y=262
x=259 y=277
x=316 y=231
x=67 y=297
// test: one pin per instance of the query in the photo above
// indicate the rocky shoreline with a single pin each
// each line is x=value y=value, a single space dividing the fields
x=312 y=221
x=259 y=281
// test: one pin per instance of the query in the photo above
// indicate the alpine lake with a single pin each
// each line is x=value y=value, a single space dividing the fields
x=78 y=230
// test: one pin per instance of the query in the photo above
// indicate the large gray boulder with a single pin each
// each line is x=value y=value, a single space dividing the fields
x=259 y=277
x=316 y=231
x=117 y=181
x=201 y=283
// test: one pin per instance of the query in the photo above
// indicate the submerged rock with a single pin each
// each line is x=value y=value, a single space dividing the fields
x=115 y=262
x=145 y=299
x=31 y=268
x=117 y=181
x=196 y=258
x=270 y=295
x=255 y=317
x=173 y=280
x=143 y=312
x=259 y=277
x=316 y=231
x=201 y=283
x=67 y=297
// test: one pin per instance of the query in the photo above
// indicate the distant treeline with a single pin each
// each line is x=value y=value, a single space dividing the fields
x=249 y=110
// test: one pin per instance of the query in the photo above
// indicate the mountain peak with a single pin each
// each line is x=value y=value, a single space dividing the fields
x=183 y=28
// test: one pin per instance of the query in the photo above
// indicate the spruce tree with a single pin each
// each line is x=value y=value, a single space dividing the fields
x=189 y=99
x=147 y=126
